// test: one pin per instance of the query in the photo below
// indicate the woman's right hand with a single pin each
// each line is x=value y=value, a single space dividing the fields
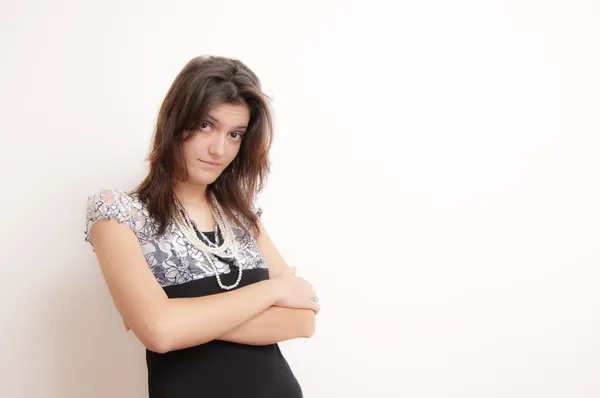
x=297 y=291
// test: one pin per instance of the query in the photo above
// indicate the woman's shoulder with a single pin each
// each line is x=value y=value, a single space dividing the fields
x=256 y=210
x=114 y=201
x=115 y=204
x=109 y=195
x=115 y=197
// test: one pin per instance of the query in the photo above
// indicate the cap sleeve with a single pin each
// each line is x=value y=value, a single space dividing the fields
x=109 y=204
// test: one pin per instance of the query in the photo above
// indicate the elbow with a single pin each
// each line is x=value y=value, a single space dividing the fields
x=158 y=345
x=162 y=338
x=156 y=337
x=310 y=324
x=310 y=332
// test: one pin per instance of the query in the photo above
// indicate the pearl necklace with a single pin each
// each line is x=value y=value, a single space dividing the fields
x=184 y=223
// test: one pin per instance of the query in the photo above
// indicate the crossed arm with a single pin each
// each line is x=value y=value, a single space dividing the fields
x=275 y=324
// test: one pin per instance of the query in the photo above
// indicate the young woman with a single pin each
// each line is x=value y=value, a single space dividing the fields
x=187 y=260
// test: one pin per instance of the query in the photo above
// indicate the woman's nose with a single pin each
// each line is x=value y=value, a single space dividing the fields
x=217 y=144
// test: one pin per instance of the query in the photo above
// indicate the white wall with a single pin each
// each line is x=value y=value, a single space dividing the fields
x=435 y=175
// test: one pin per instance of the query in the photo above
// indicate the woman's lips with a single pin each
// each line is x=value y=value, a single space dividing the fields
x=210 y=164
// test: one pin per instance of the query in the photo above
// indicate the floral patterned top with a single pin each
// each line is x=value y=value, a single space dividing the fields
x=171 y=257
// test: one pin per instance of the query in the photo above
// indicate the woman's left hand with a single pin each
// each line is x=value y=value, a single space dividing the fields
x=313 y=297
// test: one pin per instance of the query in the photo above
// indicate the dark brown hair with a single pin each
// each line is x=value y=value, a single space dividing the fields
x=204 y=82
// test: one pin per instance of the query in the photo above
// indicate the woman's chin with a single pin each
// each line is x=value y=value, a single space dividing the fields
x=204 y=178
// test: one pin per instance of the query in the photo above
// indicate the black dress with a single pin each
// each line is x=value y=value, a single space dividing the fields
x=220 y=368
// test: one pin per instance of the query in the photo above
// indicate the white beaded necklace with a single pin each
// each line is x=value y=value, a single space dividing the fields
x=184 y=223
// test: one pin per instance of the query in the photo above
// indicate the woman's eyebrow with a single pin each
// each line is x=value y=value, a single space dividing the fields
x=217 y=122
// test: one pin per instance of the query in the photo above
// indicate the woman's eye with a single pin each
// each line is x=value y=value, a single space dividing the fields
x=203 y=125
x=239 y=135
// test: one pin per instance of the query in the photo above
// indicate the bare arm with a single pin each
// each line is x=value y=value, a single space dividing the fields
x=275 y=324
x=164 y=324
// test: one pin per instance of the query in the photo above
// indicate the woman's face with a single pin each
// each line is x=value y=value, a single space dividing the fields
x=216 y=143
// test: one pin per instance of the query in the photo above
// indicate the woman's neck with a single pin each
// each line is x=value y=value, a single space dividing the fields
x=191 y=194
